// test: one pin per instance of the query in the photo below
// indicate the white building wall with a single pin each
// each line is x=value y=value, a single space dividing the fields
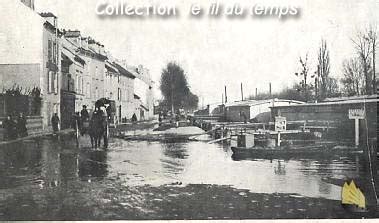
x=23 y=41
x=21 y=34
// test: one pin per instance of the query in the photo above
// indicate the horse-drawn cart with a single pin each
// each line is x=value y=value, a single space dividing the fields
x=97 y=126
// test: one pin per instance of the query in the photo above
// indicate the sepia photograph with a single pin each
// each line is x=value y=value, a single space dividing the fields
x=189 y=110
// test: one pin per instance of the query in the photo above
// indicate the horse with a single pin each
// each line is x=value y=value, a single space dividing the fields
x=96 y=130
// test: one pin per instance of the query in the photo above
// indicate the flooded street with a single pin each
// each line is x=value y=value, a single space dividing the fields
x=48 y=180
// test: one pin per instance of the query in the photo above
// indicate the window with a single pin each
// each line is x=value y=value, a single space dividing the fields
x=119 y=94
x=55 y=90
x=81 y=87
x=68 y=82
x=77 y=83
x=88 y=90
x=49 y=50
x=49 y=86
x=55 y=53
x=52 y=85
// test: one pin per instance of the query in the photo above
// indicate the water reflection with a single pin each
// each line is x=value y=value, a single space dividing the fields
x=69 y=166
x=93 y=164
x=17 y=165
x=49 y=164
x=280 y=168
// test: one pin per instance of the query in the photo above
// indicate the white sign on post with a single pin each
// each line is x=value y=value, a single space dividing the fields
x=280 y=123
x=357 y=114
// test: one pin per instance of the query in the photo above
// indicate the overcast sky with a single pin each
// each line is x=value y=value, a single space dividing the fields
x=221 y=51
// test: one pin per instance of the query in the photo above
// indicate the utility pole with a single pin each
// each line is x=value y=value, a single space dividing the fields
x=316 y=89
x=373 y=39
x=226 y=96
x=241 y=91
x=270 y=89
x=373 y=66
x=256 y=93
x=172 y=100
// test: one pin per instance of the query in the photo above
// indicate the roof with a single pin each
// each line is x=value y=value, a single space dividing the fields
x=123 y=71
x=66 y=52
x=259 y=102
x=110 y=67
x=71 y=33
x=359 y=97
x=144 y=107
x=91 y=53
x=360 y=101
x=47 y=14
x=72 y=55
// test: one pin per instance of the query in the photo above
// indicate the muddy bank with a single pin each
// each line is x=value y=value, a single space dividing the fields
x=114 y=201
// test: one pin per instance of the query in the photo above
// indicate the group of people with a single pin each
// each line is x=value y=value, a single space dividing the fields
x=14 y=128
x=95 y=126
x=80 y=120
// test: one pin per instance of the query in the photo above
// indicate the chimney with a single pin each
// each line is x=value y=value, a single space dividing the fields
x=29 y=3
x=51 y=18
x=84 y=42
x=74 y=36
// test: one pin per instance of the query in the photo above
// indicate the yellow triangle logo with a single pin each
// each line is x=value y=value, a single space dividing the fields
x=353 y=195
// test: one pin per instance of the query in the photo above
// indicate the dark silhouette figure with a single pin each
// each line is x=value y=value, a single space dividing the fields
x=55 y=122
x=21 y=126
x=104 y=120
x=84 y=113
x=134 y=118
x=160 y=118
x=96 y=128
x=10 y=128
x=244 y=117
x=77 y=122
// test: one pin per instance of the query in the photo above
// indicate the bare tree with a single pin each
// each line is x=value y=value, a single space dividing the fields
x=304 y=85
x=363 y=47
x=323 y=70
x=332 y=87
x=353 y=80
x=372 y=37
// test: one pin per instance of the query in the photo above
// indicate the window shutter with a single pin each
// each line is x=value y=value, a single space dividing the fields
x=49 y=53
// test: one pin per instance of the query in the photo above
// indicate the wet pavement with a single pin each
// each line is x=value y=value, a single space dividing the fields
x=45 y=179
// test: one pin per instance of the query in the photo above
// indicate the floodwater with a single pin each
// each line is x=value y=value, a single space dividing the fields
x=42 y=173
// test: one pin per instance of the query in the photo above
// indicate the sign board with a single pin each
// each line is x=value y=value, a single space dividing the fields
x=356 y=114
x=280 y=123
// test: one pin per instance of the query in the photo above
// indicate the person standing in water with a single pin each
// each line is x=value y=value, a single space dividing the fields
x=55 y=122
x=21 y=126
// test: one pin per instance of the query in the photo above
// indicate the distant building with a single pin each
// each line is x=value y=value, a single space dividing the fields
x=69 y=69
x=125 y=93
x=29 y=56
x=144 y=98
x=335 y=110
x=72 y=87
x=89 y=72
x=251 y=109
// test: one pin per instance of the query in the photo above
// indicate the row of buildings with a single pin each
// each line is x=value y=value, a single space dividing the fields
x=70 y=69
x=332 y=116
